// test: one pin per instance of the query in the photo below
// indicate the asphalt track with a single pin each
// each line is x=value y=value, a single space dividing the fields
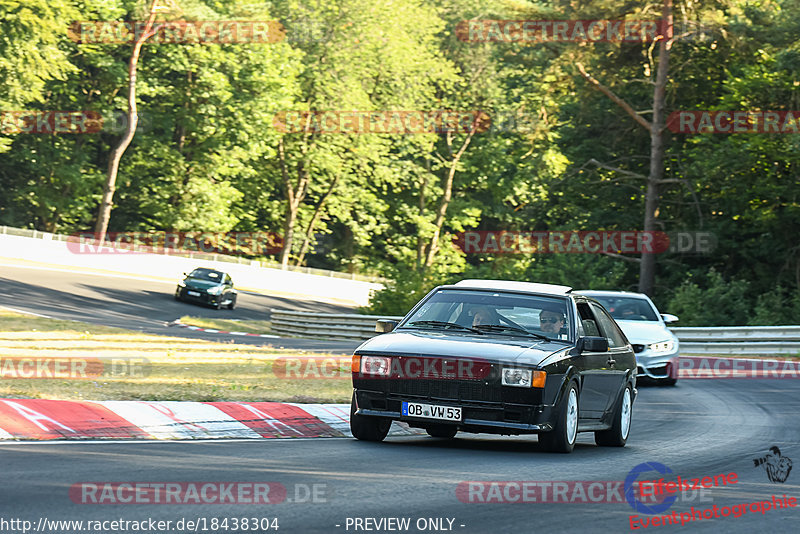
x=700 y=428
x=143 y=305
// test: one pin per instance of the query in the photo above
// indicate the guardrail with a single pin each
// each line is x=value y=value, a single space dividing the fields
x=737 y=340
x=326 y=325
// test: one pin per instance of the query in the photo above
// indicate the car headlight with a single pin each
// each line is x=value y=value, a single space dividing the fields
x=375 y=365
x=181 y=284
x=662 y=346
x=513 y=376
x=216 y=290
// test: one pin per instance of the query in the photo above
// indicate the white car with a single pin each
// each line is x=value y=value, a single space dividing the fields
x=656 y=348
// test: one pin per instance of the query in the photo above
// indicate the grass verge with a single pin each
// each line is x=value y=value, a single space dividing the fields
x=148 y=367
x=252 y=327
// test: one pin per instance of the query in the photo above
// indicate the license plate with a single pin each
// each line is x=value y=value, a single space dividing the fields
x=193 y=293
x=431 y=411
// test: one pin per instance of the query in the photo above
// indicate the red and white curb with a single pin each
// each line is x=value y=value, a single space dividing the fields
x=215 y=331
x=39 y=419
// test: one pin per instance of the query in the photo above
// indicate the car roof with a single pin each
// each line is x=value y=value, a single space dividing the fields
x=526 y=287
x=598 y=292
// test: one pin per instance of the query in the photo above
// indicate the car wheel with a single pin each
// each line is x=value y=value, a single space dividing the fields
x=367 y=428
x=565 y=431
x=617 y=435
x=668 y=382
x=219 y=303
x=232 y=304
x=442 y=431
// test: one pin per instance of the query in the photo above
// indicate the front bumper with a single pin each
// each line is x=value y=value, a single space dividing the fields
x=497 y=410
x=657 y=366
x=202 y=297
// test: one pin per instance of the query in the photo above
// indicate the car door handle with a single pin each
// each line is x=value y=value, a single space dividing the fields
x=611 y=362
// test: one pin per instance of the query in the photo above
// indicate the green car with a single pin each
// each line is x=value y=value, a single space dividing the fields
x=207 y=286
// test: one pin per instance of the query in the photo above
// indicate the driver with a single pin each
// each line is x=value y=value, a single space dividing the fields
x=482 y=315
x=551 y=322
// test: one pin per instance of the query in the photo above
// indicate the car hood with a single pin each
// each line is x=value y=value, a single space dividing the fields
x=196 y=283
x=644 y=332
x=503 y=349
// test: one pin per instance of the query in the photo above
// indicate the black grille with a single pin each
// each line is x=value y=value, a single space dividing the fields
x=637 y=348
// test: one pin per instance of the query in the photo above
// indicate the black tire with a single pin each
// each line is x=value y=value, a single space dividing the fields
x=442 y=431
x=617 y=435
x=564 y=435
x=218 y=305
x=668 y=382
x=366 y=428
x=232 y=304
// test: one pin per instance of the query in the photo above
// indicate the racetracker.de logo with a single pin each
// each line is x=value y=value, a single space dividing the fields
x=229 y=243
x=419 y=367
x=50 y=122
x=71 y=368
x=381 y=122
x=547 y=31
x=734 y=122
x=713 y=367
x=561 y=491
x=177 y=493
x=574 y=242
x=178 y=32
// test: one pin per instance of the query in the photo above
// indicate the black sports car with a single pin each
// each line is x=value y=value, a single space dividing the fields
x=207 y=286
x=499 y=357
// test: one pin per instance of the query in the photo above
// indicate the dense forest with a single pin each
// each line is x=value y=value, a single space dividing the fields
x=563 y=134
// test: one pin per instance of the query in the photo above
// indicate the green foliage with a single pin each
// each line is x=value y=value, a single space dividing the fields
x=207 y=154
x=712 y=302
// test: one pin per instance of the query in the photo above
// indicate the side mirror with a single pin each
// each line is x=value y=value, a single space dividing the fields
x=382 y=326
x=669 y=318
x=593 y=344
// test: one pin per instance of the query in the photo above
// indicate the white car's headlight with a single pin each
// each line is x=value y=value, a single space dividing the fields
x=216 y=290
x=181 y=284
x=375 y=365
x=662 y=346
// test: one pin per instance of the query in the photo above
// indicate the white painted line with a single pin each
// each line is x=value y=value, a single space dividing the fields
x=25 y=312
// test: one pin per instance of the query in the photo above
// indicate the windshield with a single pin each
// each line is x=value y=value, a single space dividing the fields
x=206 y=274
x=493 y=313
x=627 y=308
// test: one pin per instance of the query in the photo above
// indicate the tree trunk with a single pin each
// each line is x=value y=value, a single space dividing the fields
x=314 y=220
x=647 y=267
x=104 y=213
x=433 y=244
x=294 y=197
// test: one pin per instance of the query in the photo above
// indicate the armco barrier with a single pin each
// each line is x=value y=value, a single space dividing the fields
x=736 y=340
x=739 y=340
x=325 y=325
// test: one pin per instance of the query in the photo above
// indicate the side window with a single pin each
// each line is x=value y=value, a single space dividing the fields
x=228 y=279
x=609 y=327
x=587 y=320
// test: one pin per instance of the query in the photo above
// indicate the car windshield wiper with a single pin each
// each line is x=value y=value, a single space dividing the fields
x=509 y=328
x=444 y=324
